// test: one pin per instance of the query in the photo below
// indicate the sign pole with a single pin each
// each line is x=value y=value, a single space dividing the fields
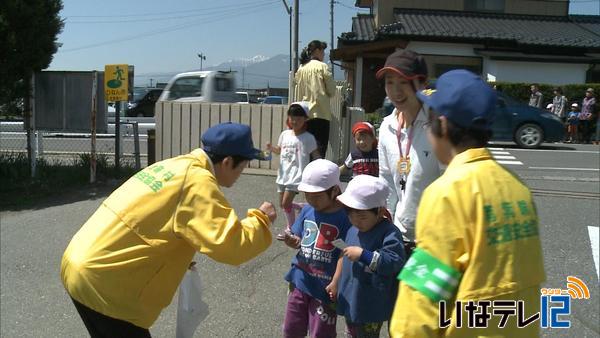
x=116 y=84
x=117 y=138
x=93 y=138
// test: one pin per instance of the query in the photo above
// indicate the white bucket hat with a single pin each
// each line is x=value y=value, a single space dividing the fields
x=304 y=105
x=319 y=175
x=365 y=192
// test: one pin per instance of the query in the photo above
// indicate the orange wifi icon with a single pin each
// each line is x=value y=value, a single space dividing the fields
x=577 y=288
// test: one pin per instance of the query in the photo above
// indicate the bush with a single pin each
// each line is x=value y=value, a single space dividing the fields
x=521 y=91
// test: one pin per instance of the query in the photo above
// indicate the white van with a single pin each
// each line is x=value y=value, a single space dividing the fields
x=207 y=86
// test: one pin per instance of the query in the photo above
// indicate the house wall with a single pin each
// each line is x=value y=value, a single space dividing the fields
x=441 y=57
x=384 y=9
x=531 y=72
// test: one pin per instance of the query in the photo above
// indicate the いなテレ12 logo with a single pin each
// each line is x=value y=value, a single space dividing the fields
x=556 y=303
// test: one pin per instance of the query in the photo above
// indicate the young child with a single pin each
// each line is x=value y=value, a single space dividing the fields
x=372 y=260
x=295 y=146
x=315 y=269
x=364 y=159
x=573 y=122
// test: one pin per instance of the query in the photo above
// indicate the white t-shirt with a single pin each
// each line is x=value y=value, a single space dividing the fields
x=295 y=155
x=425 y=168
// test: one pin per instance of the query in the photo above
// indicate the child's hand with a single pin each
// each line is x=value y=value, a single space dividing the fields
x=332 y=290
x=291 y=240
x=269 y=147
x=353 y=253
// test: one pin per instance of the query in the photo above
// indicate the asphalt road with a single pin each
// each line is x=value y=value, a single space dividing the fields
x=249 y=301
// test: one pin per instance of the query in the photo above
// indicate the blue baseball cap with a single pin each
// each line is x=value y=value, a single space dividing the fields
x=463 y=98
x=231 y=139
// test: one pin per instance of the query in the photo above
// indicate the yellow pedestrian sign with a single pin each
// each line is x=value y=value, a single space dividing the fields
x=115 y=82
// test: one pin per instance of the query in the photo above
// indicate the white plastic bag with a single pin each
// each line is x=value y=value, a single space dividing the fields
x=191 y=310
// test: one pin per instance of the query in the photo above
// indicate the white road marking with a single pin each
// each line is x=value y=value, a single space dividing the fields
x=496 y=152
x=559 y=151
x=495 y=148
x=510 y=162
x=504 y=157
x=574 y=169
x=594 y=233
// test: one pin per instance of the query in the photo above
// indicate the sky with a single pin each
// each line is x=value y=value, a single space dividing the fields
x=158 y=36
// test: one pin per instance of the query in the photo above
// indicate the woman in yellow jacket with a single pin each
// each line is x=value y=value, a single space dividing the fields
x=124 y=265
x=477 y=229
x=313 y=83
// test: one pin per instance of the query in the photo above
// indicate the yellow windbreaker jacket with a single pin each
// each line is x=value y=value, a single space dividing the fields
x=479 y=220
x=314 y=83
x=128 y=259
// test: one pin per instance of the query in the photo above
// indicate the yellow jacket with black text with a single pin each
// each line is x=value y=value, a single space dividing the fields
x=128 y=259
x=478 y=220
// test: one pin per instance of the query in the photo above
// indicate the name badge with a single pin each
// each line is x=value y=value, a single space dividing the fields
x=403 y=165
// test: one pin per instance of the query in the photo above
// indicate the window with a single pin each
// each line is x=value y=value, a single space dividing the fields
x=485 y=5
x=186 y=87
x=224 y=84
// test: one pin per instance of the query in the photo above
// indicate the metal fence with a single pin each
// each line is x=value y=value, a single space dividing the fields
x=68 y=148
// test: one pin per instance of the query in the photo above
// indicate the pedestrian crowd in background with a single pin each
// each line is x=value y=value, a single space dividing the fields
x=578 y=118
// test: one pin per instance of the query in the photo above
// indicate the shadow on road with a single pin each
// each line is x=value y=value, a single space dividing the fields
x=67 y=196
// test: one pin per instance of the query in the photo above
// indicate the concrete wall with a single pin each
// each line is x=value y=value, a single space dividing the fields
x=530 y=72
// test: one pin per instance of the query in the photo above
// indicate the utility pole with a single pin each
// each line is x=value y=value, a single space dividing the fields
x=331 y=30
x=288 y=9
x=295 y=36
x=202 y=57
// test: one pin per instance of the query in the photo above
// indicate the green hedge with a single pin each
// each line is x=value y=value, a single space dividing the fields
x=522 y=91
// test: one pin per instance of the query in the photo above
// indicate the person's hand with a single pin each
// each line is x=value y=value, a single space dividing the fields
x=291 y=240
x=353 y=252
x=269 y=209
x=332 y=290
x=269 y=147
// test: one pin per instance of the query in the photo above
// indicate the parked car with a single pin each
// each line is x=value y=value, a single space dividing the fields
x=206 y=86
x=143 y=102
x=275 y=100
x=526 y=126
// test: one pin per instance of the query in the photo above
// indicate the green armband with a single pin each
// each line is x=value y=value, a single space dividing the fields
x=428 y=275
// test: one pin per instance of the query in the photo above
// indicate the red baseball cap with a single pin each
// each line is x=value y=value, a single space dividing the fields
x=406 y=63
x=363 y=126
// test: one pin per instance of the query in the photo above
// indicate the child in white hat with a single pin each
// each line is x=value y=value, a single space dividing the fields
x=316 y=268
x=372 y=260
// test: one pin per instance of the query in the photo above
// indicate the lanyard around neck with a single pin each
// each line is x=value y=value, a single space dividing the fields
x=410 y=136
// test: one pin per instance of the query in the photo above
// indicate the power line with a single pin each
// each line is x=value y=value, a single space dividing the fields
x=167 y=13
x=161 y=31
x=173 y=17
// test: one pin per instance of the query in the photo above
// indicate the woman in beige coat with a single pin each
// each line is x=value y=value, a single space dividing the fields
x=313 y=83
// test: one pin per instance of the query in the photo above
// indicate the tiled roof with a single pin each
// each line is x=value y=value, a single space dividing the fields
x=363 y=29
x=412 y=24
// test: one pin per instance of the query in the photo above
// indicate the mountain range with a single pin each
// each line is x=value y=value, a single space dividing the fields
x=255 y=72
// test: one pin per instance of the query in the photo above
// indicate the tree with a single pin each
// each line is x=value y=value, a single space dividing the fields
x=28 y=40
